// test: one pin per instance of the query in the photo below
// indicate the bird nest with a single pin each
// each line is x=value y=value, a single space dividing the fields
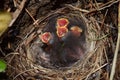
x=25 y=64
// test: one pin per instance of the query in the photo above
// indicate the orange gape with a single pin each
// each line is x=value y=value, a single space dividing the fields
x=76 y=30
x=62 y=29
x=62 y=22
x=45 y=37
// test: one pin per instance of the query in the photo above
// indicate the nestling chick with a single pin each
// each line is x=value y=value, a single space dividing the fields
x=61 y=31
x=65 y=40
x=62 y=22
x=46 y=38
x=76 y=30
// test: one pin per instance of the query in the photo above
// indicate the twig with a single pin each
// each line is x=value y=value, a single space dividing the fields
x=99 y=38
x=96 y=70
x=79 y=9
x=117 y=47
x=104 y=18
x=109 y=4
x=36 y=22
x=30 y=14
x=17 y=12
x=23 y=73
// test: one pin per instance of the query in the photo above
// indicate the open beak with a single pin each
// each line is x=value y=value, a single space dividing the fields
x=62 y=22
x=76 y=30
x=62 y=27
x=45 y=37
x=61 y=31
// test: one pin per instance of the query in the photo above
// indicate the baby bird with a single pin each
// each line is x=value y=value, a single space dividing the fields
x=64 y=39
x=76 y=30
x=47 y=38
x=61 y=27
x=62 y=22
x=72 y=41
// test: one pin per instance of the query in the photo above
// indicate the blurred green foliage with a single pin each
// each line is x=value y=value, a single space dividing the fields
x=2 y=65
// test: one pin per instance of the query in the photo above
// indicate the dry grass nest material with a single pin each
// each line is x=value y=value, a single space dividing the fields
x=21 y=67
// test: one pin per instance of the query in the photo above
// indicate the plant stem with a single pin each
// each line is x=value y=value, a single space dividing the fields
x=117 y=47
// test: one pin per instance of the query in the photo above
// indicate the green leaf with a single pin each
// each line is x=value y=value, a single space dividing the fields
x=2 y=65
